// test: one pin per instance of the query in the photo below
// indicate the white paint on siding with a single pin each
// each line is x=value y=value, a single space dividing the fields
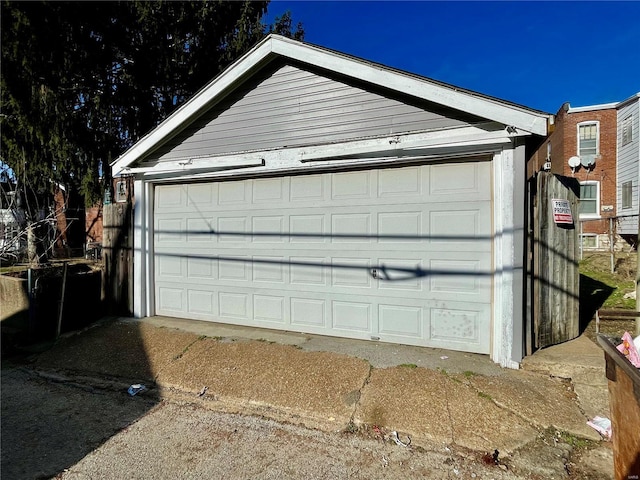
x=628 y=168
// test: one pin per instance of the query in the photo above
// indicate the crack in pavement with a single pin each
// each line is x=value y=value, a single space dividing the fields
x=446 y=399
x=357 y=402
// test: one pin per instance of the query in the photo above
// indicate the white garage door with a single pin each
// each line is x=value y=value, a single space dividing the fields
x=401 y=254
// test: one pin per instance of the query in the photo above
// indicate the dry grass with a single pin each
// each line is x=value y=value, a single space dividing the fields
x=610 y=288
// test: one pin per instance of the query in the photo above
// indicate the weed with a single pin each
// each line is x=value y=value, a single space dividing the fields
x=575 y=442
x=485 y=396
x=468 y=374
x=409 y=365
x=351 y=428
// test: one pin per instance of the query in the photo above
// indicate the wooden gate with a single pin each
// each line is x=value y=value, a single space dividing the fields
x=553 y=280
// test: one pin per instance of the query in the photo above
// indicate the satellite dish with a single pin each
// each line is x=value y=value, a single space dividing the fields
x=574 y=162
x=587 y=160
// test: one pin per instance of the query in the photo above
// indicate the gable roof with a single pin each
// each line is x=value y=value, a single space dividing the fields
x=274 y=46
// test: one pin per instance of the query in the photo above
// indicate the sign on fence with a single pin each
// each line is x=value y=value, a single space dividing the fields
x=562 y=212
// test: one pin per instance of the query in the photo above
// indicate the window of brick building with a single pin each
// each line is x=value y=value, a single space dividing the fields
x=589 y=241
x=589 y=199
x=627 y=198
x=627 y=130
x=588 y=140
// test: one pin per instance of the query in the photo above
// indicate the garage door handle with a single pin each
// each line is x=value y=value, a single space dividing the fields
x=374 y=273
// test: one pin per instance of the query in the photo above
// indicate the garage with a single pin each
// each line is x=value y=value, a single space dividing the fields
x=389 y=254
x=311 y=191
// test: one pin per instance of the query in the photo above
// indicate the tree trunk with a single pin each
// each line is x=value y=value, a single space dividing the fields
x=32 y=245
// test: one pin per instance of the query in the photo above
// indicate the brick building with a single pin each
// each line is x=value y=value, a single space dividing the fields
x=583 y=145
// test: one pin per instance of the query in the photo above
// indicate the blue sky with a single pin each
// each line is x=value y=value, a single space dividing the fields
x=538 y=54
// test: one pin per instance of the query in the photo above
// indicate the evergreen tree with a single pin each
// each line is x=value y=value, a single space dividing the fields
x=82 y=81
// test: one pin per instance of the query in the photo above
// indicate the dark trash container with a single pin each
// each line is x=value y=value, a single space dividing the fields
x=624 y=403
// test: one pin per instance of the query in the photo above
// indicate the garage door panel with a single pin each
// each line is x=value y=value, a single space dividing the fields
x=201 y=194
x=237 y=194
x=401 y=183
x=403 y=226
x=308 y=312
x=270 y=190
x=402 y=322
x=351 y=228
x=307 y=271
x=171 y=299
x=170 y=266
x=299 y=253
x=200 y=269
x=268 y=229
x=308 y=189
x=351 y=316
x=170 y=230
x=269 y=269
x=234 y=305
x=234 y=269
x=172 y=196
x=459 y=327
x=232 y=230
x=200 y=301
x=270 y=309
x=349 y=272
x=462 y=181
x=308 y=228
x=352 y=185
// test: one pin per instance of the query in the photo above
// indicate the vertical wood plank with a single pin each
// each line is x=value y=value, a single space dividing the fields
x=556 y=274
x=117 y=258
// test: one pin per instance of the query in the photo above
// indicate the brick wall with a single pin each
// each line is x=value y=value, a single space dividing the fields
x=604 y=170
x=564 y=145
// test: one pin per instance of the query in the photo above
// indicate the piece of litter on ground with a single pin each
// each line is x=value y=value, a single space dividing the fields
x=602 y=425
x=385 y=462
x=136 y=388
x=203 y=391
x=395 y=438
x=443 y=357
x=629 y=350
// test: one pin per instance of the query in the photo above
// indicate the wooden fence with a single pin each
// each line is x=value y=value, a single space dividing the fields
x=553 y=275
x=117 y=256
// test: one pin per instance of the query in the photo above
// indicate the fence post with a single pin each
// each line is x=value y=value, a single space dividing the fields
x=611 y=254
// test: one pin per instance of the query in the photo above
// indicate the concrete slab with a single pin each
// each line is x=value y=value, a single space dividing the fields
x=436 y=408
x=435 y=396
x=540 y=400
x=221 y=330
x=594 y=400
x=378 y=354
x=567 y=359
x=135 y=351
x=316 y=389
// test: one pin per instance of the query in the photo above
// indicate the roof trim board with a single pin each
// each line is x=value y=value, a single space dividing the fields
x=529 y=121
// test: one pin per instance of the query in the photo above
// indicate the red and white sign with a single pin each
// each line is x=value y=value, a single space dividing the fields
x=562 y=212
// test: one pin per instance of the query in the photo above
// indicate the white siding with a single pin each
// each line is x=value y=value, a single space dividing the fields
x=628 y=168
x=289 y=106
